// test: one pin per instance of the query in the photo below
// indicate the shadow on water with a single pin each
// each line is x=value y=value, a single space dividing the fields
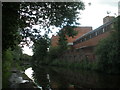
x=56 y=78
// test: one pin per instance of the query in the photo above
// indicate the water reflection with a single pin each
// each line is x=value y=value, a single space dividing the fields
x=57 y=78
x=29 y=73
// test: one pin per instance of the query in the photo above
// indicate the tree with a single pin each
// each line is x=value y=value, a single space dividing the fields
x=17 y=53
x=7 y=60
x=62 y=40
x=40 y=51
x=66 y=31
x=108 y=51
x=10 y=25
x=18 y=19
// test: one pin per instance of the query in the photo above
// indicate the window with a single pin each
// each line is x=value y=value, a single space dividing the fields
x=103 y=30
x=85 y=38
x=96 y=33
x=100 y=31
x=80 y=40
x=107 y=27
x=93 y=34
x=90 y=36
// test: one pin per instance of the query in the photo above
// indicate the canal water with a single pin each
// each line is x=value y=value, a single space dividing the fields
x=50 y=78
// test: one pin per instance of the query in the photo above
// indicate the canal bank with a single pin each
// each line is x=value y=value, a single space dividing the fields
x=19 y=80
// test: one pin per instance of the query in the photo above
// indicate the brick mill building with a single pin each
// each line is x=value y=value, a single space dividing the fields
x=80 y=30
x=84 y=42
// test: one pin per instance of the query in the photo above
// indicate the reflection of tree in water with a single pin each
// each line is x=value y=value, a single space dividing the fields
x=83 y=79
x=61 y=78
x=40 y=77
x=56 y=81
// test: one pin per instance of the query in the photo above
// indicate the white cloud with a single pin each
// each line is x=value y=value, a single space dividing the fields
x=111 y=3
x=93 y=15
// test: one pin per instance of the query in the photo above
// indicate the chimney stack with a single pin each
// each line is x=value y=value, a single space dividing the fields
x=107 y=19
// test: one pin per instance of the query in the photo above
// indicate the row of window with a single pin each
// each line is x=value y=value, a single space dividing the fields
x=95 y=33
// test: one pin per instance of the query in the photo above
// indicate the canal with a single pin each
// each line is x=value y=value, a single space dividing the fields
x=50 y=78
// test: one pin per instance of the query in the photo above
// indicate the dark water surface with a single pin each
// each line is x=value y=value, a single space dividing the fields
x=53 y=77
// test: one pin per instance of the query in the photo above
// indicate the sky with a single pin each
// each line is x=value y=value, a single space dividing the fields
x=93 y=14
x=95 y=11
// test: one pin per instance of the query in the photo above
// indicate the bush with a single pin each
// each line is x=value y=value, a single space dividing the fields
x=107 y=52
x=107 y=55
x=7 y=62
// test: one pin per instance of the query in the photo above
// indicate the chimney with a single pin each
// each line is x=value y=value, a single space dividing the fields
x=107 y=19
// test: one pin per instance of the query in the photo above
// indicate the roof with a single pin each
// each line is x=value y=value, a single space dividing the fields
x=99 y=28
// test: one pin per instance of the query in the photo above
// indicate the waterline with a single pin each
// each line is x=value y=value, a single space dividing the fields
x=29 y=73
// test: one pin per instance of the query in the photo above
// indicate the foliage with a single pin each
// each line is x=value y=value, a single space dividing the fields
x=18 y=19
x=54 y=53
x=17 y=53
x=12 y=59
x=108 y=52
x=7 y=62
x=84 y=64
x=25 y=57
x=10 y=25
x=62 y=40
x=40 y=51
x=69 y=31
x=50 y=13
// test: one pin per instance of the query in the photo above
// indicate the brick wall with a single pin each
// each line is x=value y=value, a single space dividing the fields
x=93 y=41
x=81 y=50
x=77 y=55
x=80 y=30
x=54 y=40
